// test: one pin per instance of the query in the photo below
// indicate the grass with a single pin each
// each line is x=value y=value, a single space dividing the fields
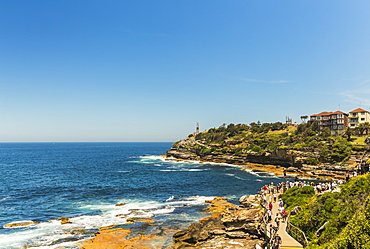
x=291 y=129
x=358 y=140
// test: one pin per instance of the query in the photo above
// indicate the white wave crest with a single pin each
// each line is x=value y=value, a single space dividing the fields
x=5 y=198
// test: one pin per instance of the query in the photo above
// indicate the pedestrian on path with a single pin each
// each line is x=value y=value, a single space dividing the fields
x=271 y=230
x=277 y=220
x=277 y=242
x=285 y=214
x=269 y=215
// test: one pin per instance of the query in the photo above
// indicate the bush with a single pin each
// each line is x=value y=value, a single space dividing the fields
x=311 y=161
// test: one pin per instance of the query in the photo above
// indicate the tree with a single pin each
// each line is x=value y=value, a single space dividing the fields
x=325 y=132
x=325 y=154
x=364 y=128
x=304 y=118
x=341 y=149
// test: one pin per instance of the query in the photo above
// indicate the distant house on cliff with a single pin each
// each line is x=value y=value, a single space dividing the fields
x=337 y=121
x=358 y=116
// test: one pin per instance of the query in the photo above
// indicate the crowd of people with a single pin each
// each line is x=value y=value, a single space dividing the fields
x=271 y=194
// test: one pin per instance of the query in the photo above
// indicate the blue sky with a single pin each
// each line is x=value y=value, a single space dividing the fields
x=143 y=70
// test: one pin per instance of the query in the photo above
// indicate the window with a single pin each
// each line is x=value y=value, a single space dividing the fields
x=362 y=113
x=340 y=115
x=353 y=124
x=318 y=117
x=362 y=119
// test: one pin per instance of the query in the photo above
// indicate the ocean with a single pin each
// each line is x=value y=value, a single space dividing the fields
x=85 y=181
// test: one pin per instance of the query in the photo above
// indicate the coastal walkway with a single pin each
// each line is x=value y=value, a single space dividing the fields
x=288 y=242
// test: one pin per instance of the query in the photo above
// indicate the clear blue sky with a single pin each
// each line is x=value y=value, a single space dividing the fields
x=144 y=70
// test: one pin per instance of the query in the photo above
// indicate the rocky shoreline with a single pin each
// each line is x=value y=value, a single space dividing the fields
x=279 y=162
x=229 y=226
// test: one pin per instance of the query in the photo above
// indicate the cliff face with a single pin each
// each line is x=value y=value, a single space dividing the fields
x=288 y=159
x=190 y=149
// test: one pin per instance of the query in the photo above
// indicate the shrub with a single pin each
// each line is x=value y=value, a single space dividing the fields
x=311 y=161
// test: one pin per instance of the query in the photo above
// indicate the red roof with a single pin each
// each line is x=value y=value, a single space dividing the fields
x=321 y=114
x=338 y=112
x=358 y=110
x=327 y=113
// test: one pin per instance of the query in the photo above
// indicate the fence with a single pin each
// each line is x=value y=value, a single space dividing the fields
x=296 y=233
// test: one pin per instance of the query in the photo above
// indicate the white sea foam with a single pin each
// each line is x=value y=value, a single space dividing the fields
x=262 y=173
x=5 y=198
x=182 y=169
x=45 y=234
x=235 y=176
x=174 y=160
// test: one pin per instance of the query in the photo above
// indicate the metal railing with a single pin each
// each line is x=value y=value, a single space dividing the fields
x=296 y=233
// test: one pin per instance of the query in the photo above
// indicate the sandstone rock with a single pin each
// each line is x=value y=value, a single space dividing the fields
x=18 y=224
x=225 y=229
x=250 y=200
x=64 y=220
x=218 y=232
x=239 y=235
x=292 y=169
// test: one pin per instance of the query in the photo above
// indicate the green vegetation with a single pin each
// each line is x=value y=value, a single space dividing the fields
x=346 y=215
x=243 y=139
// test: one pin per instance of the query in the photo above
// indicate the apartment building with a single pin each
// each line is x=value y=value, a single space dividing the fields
x=357 y=117
x=335 y=121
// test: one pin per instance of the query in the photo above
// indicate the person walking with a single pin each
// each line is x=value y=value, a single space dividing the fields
x=277 y=220
x=269 y=215
x=277 y=242
x=271 y=230
x=285 y=214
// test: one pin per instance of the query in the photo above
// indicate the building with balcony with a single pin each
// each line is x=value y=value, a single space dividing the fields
x=357 y=117
x=337 y=121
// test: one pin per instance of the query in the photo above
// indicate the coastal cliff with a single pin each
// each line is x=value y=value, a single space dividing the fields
x=298 y=150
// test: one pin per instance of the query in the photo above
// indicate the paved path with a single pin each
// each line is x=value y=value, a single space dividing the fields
x=287 y=241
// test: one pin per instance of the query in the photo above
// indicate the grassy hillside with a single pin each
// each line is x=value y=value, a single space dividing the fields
x=346 y=214
x=243 y=139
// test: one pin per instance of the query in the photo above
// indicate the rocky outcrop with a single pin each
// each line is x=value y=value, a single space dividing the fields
x=64 y=220
x=234 y=227
x=190 y=149
x=291 y=161
x=19 y=224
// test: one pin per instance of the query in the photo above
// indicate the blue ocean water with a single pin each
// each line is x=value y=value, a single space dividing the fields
x=84 y=181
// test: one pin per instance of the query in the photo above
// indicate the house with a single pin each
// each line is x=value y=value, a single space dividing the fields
x=357 y=117
x=337 y=121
